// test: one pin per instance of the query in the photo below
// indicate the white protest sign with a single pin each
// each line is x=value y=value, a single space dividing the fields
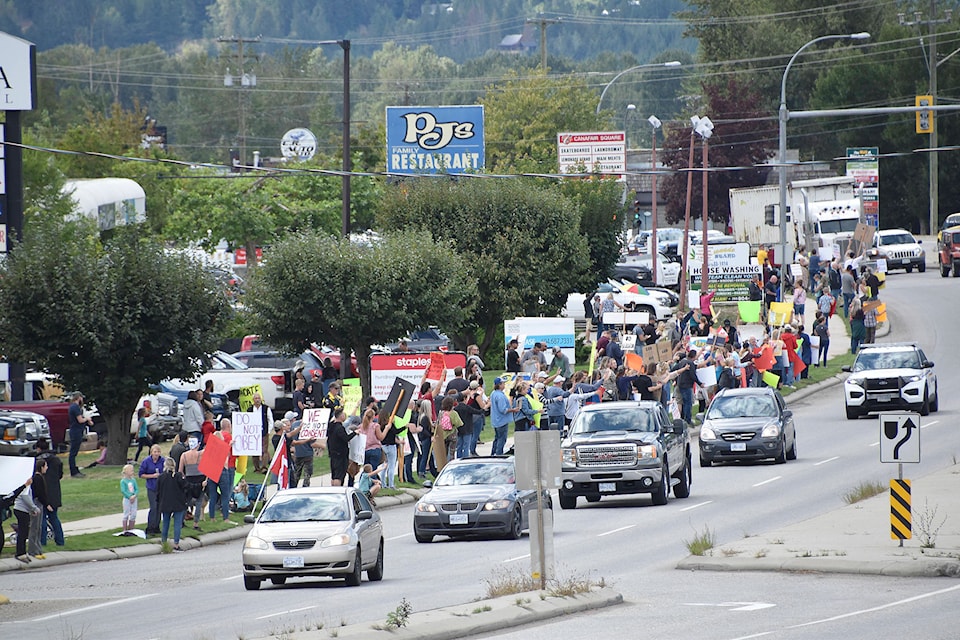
x=881 y=265
x=14 y=471
x=247 y=433
x=314 y=424
x=707 y=376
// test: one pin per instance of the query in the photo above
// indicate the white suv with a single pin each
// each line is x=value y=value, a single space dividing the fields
x=899 y=248
x=890 y=376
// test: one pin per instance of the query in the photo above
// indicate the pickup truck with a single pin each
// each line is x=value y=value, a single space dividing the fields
x=19 y=432
x=626 y=447
x=229 y=375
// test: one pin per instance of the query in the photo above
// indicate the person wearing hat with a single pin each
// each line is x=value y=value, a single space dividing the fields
x=733 y=338
x=554 y=396
x=560 y=364
x=686 y=378
x=501 y=414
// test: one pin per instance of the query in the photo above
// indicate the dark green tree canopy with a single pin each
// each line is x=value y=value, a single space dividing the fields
x=107 y=319
x=319 y=288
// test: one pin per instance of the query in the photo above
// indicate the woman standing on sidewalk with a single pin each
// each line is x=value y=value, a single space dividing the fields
x=821 y=328
x=8 y=501
x=173 y=490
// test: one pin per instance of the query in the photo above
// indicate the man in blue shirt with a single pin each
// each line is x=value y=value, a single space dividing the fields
x=78 y=425
x=554 y=396
x=500 y=410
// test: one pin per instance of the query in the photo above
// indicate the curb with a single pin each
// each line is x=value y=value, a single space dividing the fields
x=57 y=558
x=919 y=568
x=478 y=617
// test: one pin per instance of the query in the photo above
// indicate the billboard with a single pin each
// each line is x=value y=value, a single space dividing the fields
x=435 y=139
x=863 y=165
x=598 y=151
x=385 y=367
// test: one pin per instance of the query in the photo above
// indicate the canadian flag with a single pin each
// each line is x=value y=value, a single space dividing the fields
x=278 y=467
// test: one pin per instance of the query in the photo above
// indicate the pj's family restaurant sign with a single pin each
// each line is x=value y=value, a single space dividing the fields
x=435 y=139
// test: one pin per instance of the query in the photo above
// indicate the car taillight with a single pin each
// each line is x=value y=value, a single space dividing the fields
x=277 y=380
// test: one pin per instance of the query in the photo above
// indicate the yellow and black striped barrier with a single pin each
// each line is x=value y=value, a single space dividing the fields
x=900 y=520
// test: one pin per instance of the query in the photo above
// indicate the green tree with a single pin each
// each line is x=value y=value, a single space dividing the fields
x=318 y=287
x=109 y=319
x=521 y=241
x=601 y=223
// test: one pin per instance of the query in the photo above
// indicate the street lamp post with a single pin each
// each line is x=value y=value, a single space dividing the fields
x=652 y=243
x=631 y=109
x=672 y=63
x=784 y=115
x=704 y=127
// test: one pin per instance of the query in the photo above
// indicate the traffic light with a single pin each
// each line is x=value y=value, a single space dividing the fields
x=770 y=215
x=924 y=119
x=636 y=213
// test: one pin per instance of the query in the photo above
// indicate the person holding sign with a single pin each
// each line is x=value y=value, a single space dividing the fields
x=266 y=427
x=338 y=447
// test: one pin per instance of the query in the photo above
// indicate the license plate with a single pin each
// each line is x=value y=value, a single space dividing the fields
x=608 y=487
x=738 y=446
x=459 y=518
x=886 y=397
x=906 y=261
x=293 y=562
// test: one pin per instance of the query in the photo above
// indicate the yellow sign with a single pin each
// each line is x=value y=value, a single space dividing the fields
x=246 y=396
x=352 y=396
x=900 y=520
x=924 y=118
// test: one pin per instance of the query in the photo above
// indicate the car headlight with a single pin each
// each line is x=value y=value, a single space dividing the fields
x=570 y=456
x=497 y=505
x=855 y=380
x=163 y=410
x=254 y=542
x=646 y=451
x=772 y=430
x=706 y=433
x=913 y=378
x=426 y=507
x=336 y=540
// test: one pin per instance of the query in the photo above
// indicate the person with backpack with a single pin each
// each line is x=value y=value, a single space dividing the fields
x=6 y=502
x=445 y=432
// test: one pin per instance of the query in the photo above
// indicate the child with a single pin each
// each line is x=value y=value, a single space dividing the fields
x=369 y=482
x=129 y=489
x=208 y=428
x=103 y=454
x=241 y=497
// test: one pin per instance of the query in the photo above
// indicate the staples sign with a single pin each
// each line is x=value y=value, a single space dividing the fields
x=435 y=139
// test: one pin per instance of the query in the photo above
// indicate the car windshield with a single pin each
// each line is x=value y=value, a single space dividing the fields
x=476 y=473
x=897 y=238
x=306 y=508
x=870 y=360
x=742 y=407
x=953 y=238
x=631 y=419
x=845 y=225
x=226 y=361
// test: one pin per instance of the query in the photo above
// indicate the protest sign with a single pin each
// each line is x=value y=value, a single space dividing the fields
x=402 y=392
x=245 y=399
x=436 y=370
x=247 y=433
x=352 y=395
x=771 y=379
x=314 y=424
x=749 y=310
x=634 y=362
x=650 y=353
x=215 y=454
x=707 y=376
x=14 y=471
x=628 y=342
x=748 y=331
x=664 y=350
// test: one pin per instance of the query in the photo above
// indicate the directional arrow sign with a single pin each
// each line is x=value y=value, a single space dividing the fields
x=900 y=437
x=733 y=606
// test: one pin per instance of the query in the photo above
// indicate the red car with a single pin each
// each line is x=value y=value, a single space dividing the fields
x=252 y=343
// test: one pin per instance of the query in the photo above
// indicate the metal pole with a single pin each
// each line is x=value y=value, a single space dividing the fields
x=13 y=133
x=686 y=229
x=653 y=207
x=934 y=155
x=540 y=538
x=347 y=164
x=672 y=63
x=703 y=276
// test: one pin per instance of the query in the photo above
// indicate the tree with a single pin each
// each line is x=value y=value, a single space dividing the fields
x=109 y=319
x=318 y=287
x=521 y=241
x=601 y=223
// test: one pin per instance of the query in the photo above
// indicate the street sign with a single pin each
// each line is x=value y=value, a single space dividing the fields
x=901 y=522
x=537 y=459
x=900 y=437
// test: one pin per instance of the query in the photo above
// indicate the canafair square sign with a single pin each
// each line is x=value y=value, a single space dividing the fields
x=435 y=139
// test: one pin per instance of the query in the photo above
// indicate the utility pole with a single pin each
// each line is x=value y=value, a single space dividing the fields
x=243 y=81
x=544 y=23
x=932 y=65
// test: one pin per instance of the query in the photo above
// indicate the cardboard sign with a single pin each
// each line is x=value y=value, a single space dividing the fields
x=215 y=454
x=402 y=392
x=314 y=424
x=247 y=432
x=246 y=396
x=864 y=235
x=664 y=350
x=871 y=305
x=651 y=354
x=634 y=362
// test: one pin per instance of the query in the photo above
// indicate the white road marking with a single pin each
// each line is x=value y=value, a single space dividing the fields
x=93 y=606
x=875 y=444
x=231 y=578
x=733 y=606
x=768 y=480
x=881 y=607
x=283 y=613
x=754 y=635
x=403 y=535
x=929 y=424
x=696 y=505
x=817 y=464
x=514 y=559
x=607 y=533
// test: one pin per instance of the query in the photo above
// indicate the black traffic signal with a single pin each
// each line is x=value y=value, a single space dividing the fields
x=769 y=215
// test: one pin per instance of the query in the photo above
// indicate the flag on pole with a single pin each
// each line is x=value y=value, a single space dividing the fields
x=279 y=468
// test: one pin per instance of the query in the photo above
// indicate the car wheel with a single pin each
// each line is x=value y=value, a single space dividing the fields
x=925 y=405
x=353 y=578
x=567 y=502
x=516 y=524
x=422 y=537
x=662 y=494
x=647 y=308
x=279 y=580
x=956 y=272
x=705 y=462
x=375 y=573
x=922 y=267
x=593 y=498
x=792 y=451
x=944 y=271
x=782 y=456
x=935 y=403
x=852 y=413
x=251 y=584
x=682 y=490
x=909 y=268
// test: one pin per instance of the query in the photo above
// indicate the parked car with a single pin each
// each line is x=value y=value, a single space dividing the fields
x=424 y=340
x=19 y=432
x=314 y=531
x=952 y=220
x=655 y=303
x=668 y=272
x=475 y=497
x=753 y=423
x=633 y=271
x=625 y=447
x=948 y=251
x=899 y=248
x=273 y=359
x=321 y=351
x=164 y=422
x=887 y=376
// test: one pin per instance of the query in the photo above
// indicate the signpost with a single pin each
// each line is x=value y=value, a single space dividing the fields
x=900 y=443
x=592 y=152
x=537 y=462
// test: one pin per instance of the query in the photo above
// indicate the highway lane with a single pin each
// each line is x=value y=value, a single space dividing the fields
x=625 y=540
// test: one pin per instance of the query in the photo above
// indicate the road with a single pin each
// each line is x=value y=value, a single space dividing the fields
x=630 y=544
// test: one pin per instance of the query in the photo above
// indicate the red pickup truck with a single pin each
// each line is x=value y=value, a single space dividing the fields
x=55 y=411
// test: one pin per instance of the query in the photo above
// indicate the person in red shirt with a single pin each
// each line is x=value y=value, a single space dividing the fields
x=225 y=486
x=790 y=345
x=207 y=429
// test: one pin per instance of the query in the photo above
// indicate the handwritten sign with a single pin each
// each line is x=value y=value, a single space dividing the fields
x=247 y=430
x=437 y=366
x=246 y=396
x=352 y=396
x=314 y=423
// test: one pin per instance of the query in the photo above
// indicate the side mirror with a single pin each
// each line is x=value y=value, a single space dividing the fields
x=249 y=519
x=927 y=364
x=787 y=414
x=846 y=368
x=428 y=484
x=679 y=426
x=699 y=417
x=364 y=515
x=919 y=241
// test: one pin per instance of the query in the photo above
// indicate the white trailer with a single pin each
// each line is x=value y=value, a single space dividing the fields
x=109 y=201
